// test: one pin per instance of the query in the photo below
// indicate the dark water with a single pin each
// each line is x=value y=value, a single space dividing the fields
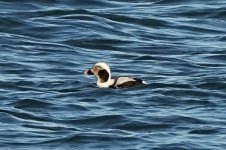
x=178 y=47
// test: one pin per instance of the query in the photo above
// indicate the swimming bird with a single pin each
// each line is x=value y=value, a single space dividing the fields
x=104 y=79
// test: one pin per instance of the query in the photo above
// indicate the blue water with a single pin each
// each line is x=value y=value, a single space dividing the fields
x=178 y=47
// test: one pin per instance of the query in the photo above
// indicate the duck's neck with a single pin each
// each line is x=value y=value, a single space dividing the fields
x=104 y=84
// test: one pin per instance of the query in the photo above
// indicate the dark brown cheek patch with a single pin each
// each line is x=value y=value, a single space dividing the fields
x=103 y=75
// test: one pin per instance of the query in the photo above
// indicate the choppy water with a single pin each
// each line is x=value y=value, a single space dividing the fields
x=178 y=47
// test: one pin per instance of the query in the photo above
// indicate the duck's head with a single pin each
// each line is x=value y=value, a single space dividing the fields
x=102 y=72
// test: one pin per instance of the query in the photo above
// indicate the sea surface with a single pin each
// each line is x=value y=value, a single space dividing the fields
x=177 y=47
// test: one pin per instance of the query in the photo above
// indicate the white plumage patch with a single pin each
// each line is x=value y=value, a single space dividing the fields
x=122 y=80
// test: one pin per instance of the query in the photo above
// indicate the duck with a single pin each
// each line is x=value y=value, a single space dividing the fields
x=104 y=79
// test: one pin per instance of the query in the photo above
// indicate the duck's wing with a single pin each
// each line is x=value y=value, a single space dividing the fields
x=122 y=82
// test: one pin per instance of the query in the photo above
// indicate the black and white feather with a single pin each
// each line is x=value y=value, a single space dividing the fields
x=121 y=82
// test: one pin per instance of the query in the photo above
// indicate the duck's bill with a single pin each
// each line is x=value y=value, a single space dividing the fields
x=88 y=72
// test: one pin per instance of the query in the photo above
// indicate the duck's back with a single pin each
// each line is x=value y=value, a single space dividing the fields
x=123 y=82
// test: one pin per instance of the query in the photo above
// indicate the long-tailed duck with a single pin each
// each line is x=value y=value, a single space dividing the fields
x=104 y=80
